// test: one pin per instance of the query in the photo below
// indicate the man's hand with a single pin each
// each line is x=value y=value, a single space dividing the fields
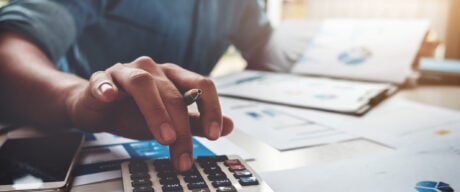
x=144 y=99
x=140 y=100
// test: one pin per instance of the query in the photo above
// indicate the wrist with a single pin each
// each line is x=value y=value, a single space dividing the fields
x=70 y=98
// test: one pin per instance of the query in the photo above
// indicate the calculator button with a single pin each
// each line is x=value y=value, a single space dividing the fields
x=169 y=180
x=212 y=169
x=226 y=189
x=172 y=170
x=141 y=182
x=205 y=159
x=219 y=158
x=167 y=173
x=236 y=168
x=245 y=181
x=143 y=189
x=201 y=190
x=217 y=176
x=193 y=178
x=172 y=187
x=207 y=163
x=137 y=166
x=162 y=162
x=192 y=171
x=164 y=167
x=140 y=176
x=232 y=162
x=244 y=173
x=138 y=169
x=197 y=185
x=137 y=162
x=222 y=182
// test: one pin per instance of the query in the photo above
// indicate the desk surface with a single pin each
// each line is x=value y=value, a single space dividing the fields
x=270 y=159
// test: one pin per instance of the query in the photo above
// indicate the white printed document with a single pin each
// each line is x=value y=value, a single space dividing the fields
x=397 y=122
x=301 y=91
x=398 y=171
x=364 y=49
x=278 y=126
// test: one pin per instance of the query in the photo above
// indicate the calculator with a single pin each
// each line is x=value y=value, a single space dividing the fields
x=208 y=174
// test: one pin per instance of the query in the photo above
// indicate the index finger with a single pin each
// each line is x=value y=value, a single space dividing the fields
x=142 y=87
x=208 y=103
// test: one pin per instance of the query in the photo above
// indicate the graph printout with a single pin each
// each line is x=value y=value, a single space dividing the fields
x=280 y=127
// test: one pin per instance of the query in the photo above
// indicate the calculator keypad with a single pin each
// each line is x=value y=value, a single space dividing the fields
x=209 y=173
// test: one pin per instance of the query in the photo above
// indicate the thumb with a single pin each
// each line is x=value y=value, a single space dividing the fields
x=102 y=88
x=91 y=101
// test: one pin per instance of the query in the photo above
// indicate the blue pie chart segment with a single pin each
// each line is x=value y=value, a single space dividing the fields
x=433 y=186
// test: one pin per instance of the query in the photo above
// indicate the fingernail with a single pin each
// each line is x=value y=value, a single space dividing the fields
x=104 y=87
x=185 y=162
x=214 y=130
x=167 y=132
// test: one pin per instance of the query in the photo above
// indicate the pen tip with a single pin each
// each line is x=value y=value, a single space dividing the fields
x=192 y=95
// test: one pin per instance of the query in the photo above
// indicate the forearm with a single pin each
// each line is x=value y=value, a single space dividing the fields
x=33 y=91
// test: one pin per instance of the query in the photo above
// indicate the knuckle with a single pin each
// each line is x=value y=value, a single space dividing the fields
x=162 y=80
x=170 y=66
x=116 y=67
x=206 y=83
x=175 y=100
x=144 y=62
x=145 y=59
x=159 y=111
x=183 y=138
x=96 y=75
x=140 y=77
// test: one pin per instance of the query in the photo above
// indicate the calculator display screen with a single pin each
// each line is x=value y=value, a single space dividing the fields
x=35 y=160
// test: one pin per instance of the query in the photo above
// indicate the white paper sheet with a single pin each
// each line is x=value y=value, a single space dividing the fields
x=279 y=126
x=398 y=171
x=395 y=122
x=310 y=92
x=364 y=49
x=427 y=138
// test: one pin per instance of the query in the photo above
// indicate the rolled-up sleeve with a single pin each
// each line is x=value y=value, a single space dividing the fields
x=51 y=25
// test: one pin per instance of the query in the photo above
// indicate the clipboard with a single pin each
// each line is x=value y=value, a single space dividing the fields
x=327 y=94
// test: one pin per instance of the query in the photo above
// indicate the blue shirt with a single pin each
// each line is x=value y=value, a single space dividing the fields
x=84 y=36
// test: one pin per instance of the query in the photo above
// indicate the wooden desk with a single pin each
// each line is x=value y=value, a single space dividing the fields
x=443 y=96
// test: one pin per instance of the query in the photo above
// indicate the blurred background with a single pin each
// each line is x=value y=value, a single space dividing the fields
x=443 y=40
